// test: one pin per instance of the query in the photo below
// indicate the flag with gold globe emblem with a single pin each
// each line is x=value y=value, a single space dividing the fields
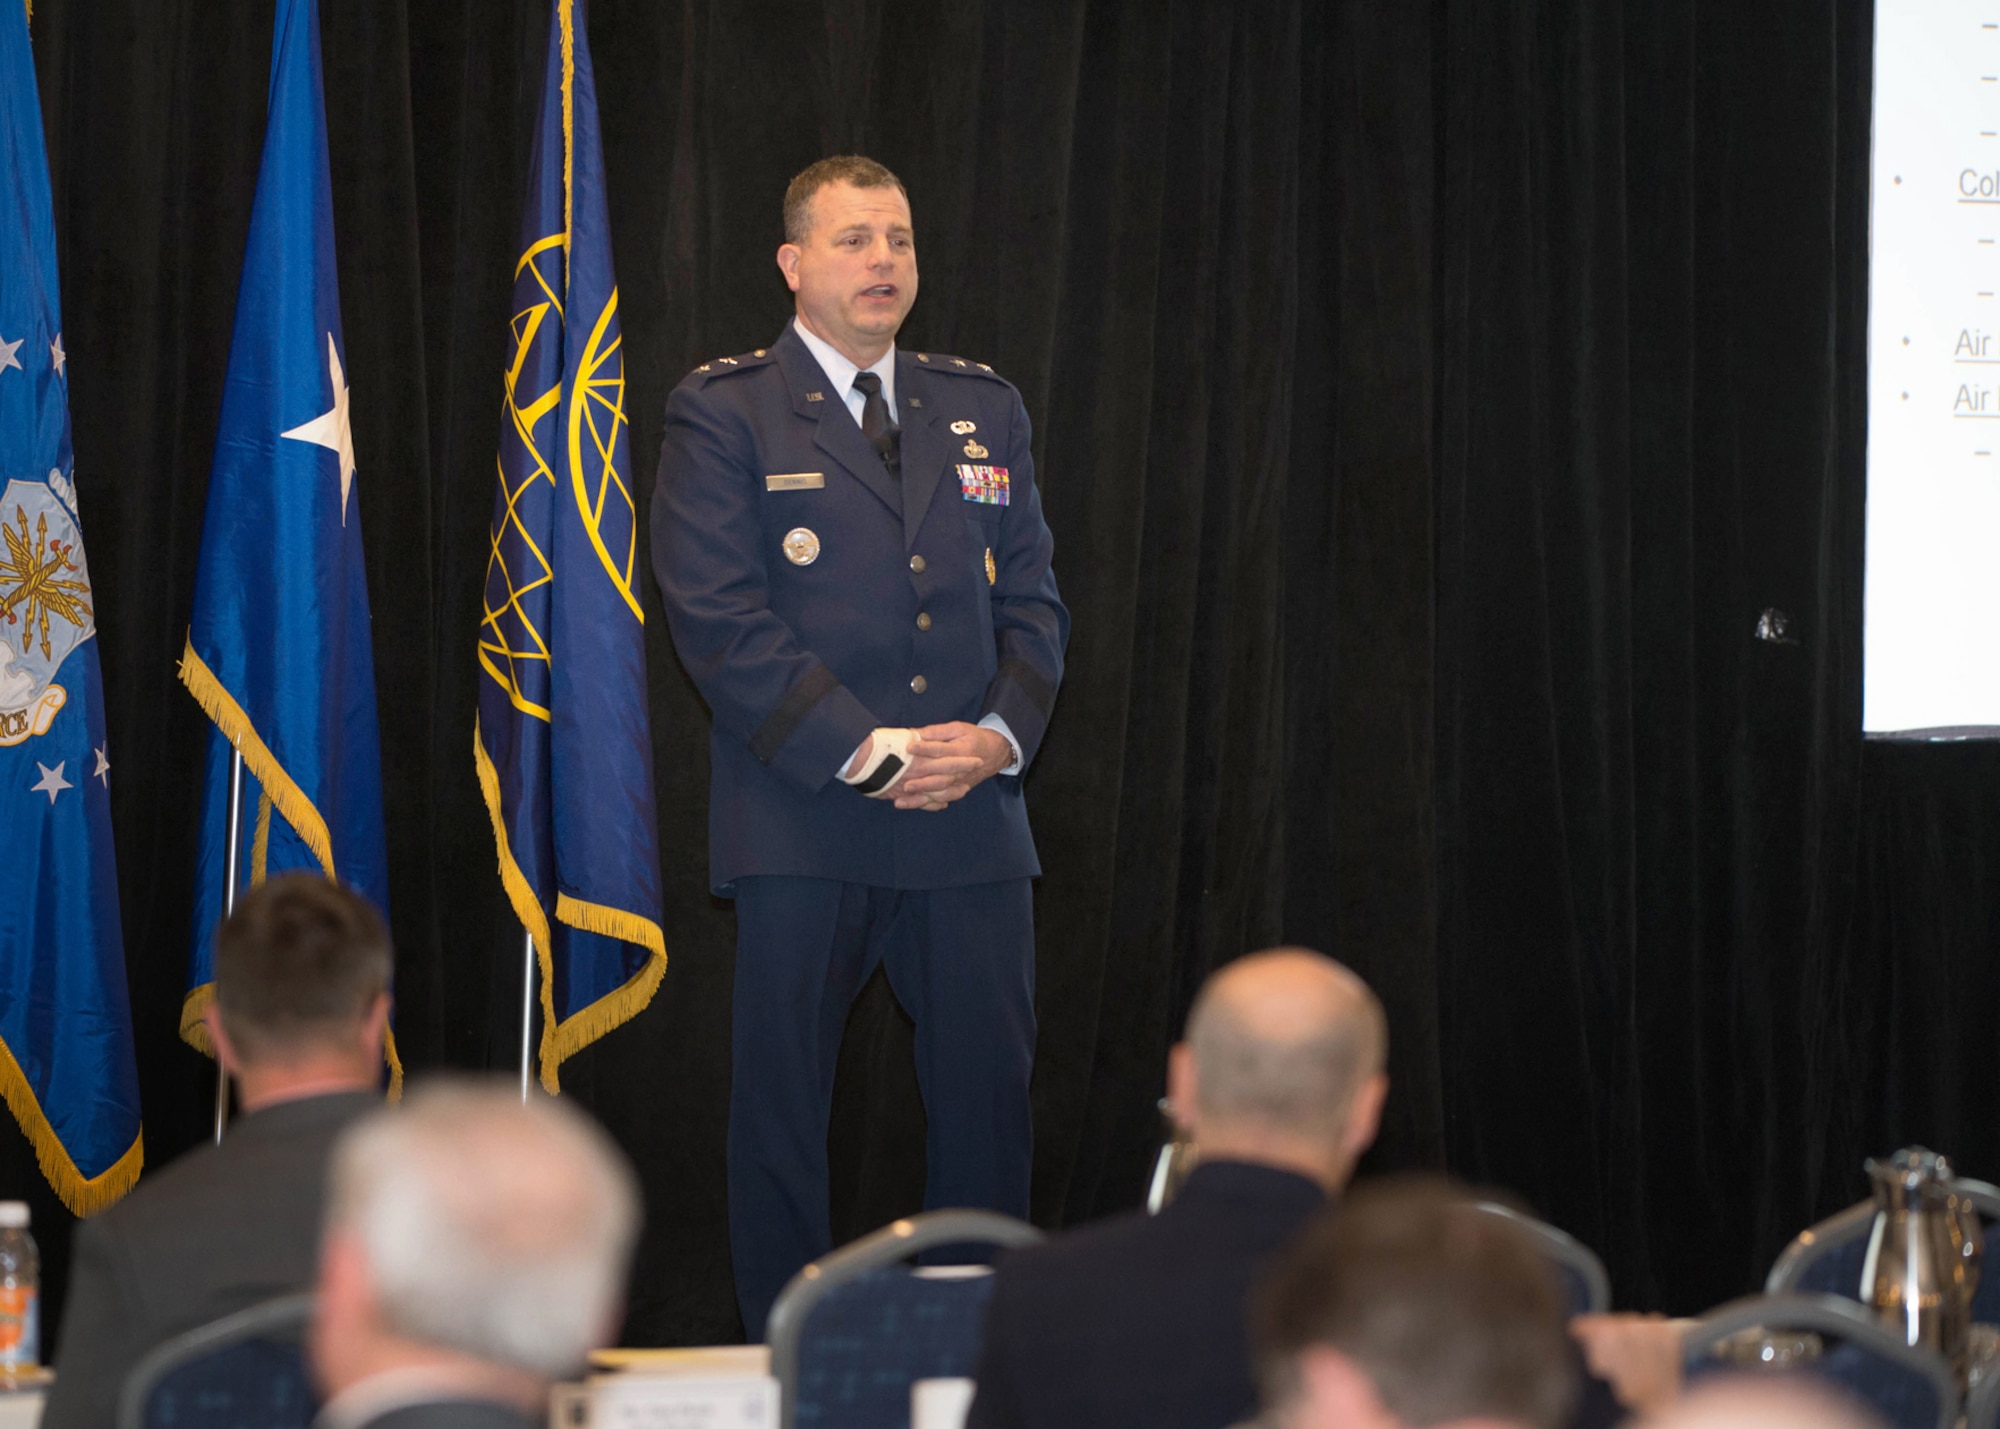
x=66 y=1062
x=561 y=742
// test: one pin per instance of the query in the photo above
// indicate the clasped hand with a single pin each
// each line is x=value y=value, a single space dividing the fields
x=947 y=762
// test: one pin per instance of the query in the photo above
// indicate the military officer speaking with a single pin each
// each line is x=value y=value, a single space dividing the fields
x=856 y=575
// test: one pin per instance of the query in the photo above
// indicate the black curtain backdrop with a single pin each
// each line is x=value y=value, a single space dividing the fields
x=1429 y=401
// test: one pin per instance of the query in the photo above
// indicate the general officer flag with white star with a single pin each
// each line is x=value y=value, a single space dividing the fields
x=278 y=650
x=561 y=743
x=66 y=1062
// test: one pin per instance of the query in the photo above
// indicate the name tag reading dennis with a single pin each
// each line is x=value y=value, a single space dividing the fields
x=795 y=481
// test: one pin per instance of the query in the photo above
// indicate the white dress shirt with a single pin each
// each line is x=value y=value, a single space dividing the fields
x=841 y=373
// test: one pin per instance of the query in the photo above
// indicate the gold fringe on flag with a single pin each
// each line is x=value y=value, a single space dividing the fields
x=84 y=1195
x=562 y=1040
x=276 y=787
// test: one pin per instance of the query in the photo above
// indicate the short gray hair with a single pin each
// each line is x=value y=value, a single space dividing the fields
x=1300 y=1079
x=491 y=1227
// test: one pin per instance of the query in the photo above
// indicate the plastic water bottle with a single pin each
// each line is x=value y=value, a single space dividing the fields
x=20 y=1293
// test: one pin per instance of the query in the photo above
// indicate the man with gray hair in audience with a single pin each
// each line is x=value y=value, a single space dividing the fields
x=476 y=1249
x=1142 y=1321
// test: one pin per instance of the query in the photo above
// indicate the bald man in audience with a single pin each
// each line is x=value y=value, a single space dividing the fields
x=1143 y=1320
x=301 y=1000
x=476 y=1249
x=1411 y=1307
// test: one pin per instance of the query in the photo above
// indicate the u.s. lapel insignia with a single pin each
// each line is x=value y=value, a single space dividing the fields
x=963 y=428
x=815 y=396
x=802 y=546
x=992 y=571
x=975 y=451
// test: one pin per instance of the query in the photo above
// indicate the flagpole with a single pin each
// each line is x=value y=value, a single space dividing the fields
x=527 y=1005
x=228 y=907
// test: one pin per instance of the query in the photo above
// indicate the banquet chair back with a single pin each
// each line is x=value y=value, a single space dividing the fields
x=1826 y=1259
x=243 y=1371
x=1982 y=1405
x=855 y=1329
x=1586 y=1287
x=1908 y=1386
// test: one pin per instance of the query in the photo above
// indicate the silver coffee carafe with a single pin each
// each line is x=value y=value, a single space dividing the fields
x=1923 y=1253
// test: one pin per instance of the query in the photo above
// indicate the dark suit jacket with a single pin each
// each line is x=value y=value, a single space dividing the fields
x=1140 y=1320
x=219 y=1230
x=925 y=599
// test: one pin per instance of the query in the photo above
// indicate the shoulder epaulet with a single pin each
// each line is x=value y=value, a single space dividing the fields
x=964 y=366
x=723 y=366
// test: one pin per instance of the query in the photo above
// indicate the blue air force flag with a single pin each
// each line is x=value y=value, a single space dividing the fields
x=561 y=741
x=66 y=1064
x=278 y=652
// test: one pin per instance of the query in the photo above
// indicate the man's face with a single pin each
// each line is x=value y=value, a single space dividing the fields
x=856 y=272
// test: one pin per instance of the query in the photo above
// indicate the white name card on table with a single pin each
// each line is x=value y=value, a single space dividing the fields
x=940 y=1403
x=21 y=1408
x=727 y=1387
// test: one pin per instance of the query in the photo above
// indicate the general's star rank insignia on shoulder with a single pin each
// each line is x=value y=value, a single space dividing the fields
x=985 y=484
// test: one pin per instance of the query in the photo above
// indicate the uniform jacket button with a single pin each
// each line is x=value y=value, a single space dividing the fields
x=918 y=684
x=924 y=620
x=917 y=564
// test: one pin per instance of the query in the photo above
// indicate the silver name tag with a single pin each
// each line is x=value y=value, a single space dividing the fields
x=795 y=481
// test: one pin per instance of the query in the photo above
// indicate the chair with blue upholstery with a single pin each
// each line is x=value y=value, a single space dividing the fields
x=243 y=1371
x=1826 y=1259
x=855 y=1329
x=1982 y=1405
x=1586 y=1287
x=1908 y=1386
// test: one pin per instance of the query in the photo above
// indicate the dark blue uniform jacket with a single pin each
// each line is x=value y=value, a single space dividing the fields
x=924 y=603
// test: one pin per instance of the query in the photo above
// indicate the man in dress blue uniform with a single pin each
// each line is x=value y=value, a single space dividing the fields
x=856 y=574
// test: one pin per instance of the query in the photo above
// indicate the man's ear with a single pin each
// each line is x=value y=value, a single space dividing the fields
x=343 y=1271
x=375 y=1027
x=1180 y=1085
x=225 y=1050
x=1333 y=1390
x=1366 y=1117
x=341 y=1313
x=788 y=264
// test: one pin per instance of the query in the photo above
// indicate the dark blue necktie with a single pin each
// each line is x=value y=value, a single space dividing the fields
x=875 y=423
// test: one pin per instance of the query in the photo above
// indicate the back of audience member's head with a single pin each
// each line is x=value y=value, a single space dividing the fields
x=301 y=968
x=1283 y=1060
x=1755 y=1402
x=1408 y=1306
x=468 y=1222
